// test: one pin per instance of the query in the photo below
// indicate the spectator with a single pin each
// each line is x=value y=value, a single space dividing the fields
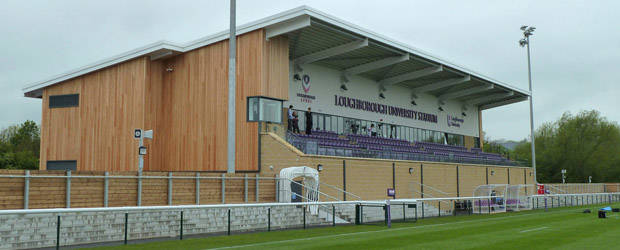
x=309 y=121
x=373 y=130
x=289 y=121
x=295 y=122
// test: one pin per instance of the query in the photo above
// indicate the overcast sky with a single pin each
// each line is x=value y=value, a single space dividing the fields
x=575 y=49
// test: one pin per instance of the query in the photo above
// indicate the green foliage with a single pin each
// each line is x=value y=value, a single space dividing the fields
x=19 y=146
x=585 y=144
x=492 y=147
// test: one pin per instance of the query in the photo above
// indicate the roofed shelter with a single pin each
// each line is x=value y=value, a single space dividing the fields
x=180 y=91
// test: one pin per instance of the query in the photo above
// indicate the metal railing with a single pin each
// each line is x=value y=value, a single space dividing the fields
x=569 y=200
x=123 y=224
x=311 y=146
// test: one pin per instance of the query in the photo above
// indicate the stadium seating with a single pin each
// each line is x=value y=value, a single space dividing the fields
x=331 y=143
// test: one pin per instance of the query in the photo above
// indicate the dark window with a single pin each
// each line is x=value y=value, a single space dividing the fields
x=62 y=165
x=63 y=101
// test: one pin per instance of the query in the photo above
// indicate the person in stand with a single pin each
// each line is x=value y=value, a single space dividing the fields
x=289 y=121
x=295 y=122
x=373 y=130
x=309 y=121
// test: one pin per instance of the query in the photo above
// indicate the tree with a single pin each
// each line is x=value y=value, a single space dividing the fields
x=585 y=144
x=494 y=147
x=19 y=146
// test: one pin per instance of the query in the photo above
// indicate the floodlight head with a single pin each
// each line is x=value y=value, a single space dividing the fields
x=464 y=114
x=344 y=87
x=413 y=103
x=523 y=27
x=440 y=108
x=381 y=95
x=522 y=42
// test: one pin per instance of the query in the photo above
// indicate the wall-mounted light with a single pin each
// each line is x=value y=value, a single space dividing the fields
x=343 y=87
x=492 y=172
x=463 y=113
x=440 y=108
x=296 y=77
x=319 y=167
x=410 y=170
x=413 y=103
x=381 y=95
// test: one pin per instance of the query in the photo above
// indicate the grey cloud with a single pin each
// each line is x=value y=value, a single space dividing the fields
x=575 y=49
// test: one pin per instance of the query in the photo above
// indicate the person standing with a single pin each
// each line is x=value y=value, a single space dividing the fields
x=289 y=121
x=309 y=121
x=373 y=130
x=295 y=122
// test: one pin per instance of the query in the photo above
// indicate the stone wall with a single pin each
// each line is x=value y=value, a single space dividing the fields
x=18 y=231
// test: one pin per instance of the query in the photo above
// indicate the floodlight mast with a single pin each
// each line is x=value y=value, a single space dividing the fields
x=525 y=41
x=232 y=44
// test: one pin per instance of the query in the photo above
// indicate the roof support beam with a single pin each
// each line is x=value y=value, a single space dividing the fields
x=483 y=99
x=465 y=92
x=375 y=65
x=441 y=84
x=331 y=52
x=411 y=75
x=502 y=103
x=288 y=26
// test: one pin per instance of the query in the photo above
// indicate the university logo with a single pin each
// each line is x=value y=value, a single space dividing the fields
x=305 y=83
x=454 y=121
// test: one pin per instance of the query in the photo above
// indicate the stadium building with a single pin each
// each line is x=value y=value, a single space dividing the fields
x=385 y=115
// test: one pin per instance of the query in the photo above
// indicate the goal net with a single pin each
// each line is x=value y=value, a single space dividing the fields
x=494 y=200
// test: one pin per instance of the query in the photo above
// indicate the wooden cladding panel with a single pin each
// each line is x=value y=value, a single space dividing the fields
x=276 y=63
x=60 y=127
x=99 y=132
x=189 y=107
x=186 y=107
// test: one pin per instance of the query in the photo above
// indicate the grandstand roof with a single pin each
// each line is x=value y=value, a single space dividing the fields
x=316 y=37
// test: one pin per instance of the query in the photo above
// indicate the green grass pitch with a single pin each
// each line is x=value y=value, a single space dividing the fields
x=560 y=228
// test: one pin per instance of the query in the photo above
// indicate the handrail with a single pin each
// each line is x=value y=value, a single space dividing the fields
x=343 y=191
x=431 y=187
x=312 y=189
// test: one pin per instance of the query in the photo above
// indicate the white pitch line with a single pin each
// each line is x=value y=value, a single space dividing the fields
x=534 y=229
x=375 y=231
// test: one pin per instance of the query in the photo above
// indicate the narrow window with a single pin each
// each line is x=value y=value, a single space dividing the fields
x=62 y=165
x=64 y=101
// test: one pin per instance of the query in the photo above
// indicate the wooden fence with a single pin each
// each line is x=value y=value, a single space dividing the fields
x=59 y=189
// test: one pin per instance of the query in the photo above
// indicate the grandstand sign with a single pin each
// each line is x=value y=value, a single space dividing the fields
x=359 y=104
x=454 y=121
x=319 y=88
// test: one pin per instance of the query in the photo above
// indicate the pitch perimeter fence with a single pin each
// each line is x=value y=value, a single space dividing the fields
x=36 y=228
